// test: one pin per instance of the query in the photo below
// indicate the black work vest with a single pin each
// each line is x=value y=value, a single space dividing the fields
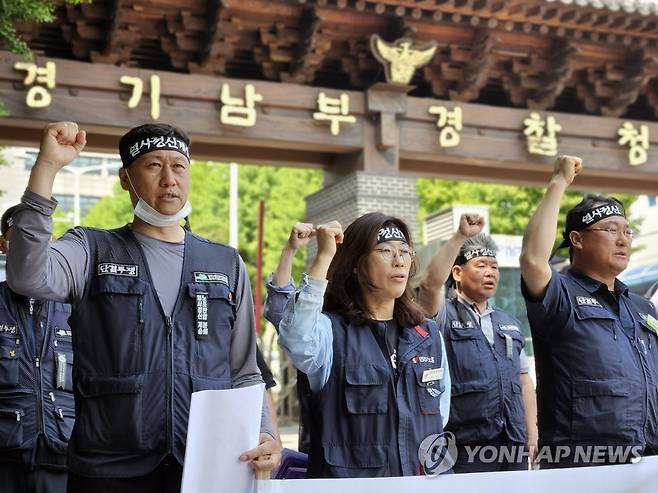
x=36 y=362
x=364 y=423
x=486 y=399
x=136 y=367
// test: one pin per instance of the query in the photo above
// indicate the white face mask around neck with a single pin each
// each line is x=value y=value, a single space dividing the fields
x=149 y=215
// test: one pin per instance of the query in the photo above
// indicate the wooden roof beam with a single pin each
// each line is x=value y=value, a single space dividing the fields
x=475 y=72
x=651 y=92
x=221 y=39
x=311 y=49
x=122 y=36
x=554 y=79
x=627 y=90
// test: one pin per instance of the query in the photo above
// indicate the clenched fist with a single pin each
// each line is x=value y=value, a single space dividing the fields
x=470 y=225
x=567 y=167
x=61 y=143
x=329 y=235
x=300 y=235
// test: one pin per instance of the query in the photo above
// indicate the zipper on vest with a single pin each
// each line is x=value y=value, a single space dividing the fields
x=170 y=392
x=34 y=335
x=41 y=339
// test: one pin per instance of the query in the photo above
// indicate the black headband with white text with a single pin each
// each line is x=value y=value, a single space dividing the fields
x=581 y=220
x=390 y=232
x=473 y=253
x=134 y=150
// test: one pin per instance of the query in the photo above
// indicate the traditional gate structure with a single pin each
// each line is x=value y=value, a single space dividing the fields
x=508 y=84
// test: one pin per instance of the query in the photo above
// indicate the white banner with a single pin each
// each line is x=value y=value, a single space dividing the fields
x=628 y=478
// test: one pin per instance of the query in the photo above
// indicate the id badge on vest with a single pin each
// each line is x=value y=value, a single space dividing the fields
x=201 y=319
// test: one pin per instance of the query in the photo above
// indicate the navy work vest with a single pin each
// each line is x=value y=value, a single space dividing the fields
x=36 y=362
x=136 y=367
x=486 y=398
x=597 y=377
x=364 y=423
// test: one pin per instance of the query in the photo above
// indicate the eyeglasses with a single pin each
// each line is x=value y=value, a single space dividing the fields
x=614 y=232
x=389 y=254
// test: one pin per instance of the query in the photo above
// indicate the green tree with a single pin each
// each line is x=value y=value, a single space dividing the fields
x=282 y=189
x=510 y=206
x=18 y=11
x=13 y=12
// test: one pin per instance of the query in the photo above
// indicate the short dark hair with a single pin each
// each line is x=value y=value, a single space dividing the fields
x=589 y=201
x=348 y=276
x=149 y=130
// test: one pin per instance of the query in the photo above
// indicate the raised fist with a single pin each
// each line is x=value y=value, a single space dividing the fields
x=61 y=143
x=300 y=235
x=470 y=225
x=329 y=235
x=567 y=167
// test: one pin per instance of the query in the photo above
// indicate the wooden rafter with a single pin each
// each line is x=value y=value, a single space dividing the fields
x=476 y=71
x=533 y=49
x=552 y=83
x=636 y=75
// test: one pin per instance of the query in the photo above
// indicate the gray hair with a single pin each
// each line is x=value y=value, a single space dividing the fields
x=478 y=242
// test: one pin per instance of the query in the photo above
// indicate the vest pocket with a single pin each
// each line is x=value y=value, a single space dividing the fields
x=110 y=417
x=367 y=390
x=118 y=305
x=429 y=393
x=469 y=402
x=63 y=368
x=65 y=419
x=11 y=427
x=356 y=461
x=599 y=409
x=9 y=368
x=468 y=356
x=213 y=347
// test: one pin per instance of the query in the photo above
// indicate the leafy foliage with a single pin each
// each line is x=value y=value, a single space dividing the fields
x=17 y=11
x=510 y=207
x=282 y=189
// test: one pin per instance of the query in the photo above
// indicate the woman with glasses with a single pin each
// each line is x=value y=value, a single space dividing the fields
x=376 y=366
x=595 y=342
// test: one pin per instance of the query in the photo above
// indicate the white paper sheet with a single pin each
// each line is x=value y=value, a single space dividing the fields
x=222 y=425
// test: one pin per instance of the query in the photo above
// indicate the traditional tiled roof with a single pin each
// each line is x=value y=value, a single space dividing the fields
x=642 y=7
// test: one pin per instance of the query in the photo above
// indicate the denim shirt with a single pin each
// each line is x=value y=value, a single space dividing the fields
x=277 y=297
x=305 y=333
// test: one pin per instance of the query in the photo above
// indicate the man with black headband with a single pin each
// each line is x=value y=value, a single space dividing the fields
x=36 y=402
x=493 y=399
x=158 y=313
x=596 y=343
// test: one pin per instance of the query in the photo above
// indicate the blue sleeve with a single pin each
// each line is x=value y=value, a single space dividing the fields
x=305 y=332
x=277 y=297
x=552 y=312
x=444 y=403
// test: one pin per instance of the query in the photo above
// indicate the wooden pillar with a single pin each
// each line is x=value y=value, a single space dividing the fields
x=370 y=180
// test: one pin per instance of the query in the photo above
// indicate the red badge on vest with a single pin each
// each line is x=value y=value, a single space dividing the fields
x=421 y=331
